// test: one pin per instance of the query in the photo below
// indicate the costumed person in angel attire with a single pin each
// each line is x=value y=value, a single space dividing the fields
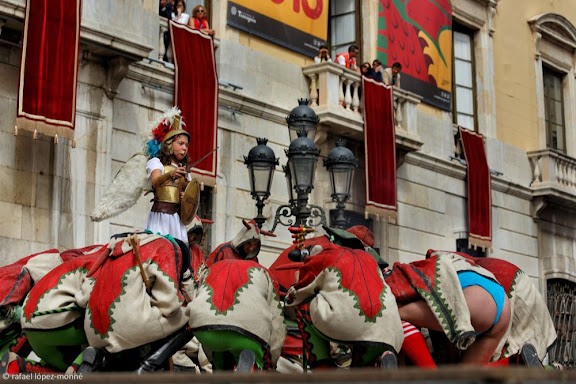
x=163 y=165
x=167 y=171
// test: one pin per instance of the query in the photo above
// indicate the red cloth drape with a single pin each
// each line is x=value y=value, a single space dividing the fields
x=479 y=189
x=196 y=94
x=380 y=148
x=49 y=67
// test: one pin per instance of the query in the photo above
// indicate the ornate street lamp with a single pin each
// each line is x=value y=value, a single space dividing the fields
x=302 y=158
x=261 y=162
x=302 y=118
x=341 y=164
x=299 y=171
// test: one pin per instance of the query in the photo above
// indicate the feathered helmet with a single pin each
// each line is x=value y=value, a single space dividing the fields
x=163 y=131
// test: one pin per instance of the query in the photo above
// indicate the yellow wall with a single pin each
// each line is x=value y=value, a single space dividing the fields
x=514 y=67
x=272 y=49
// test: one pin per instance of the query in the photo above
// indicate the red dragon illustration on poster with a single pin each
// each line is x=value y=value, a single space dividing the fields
x=418 y=35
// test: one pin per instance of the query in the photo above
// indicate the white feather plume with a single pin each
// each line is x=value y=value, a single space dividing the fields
x=125 y=190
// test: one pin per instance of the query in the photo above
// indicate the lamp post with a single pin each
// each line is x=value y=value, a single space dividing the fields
x=299 y=171
x=302 y=118
x=341 y=164
x=302 y=158
x=261 y=163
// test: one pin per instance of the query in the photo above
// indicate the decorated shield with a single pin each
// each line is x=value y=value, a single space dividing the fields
x=190 y=202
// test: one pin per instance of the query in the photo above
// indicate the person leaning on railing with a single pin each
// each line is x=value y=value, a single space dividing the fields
x=198 y=20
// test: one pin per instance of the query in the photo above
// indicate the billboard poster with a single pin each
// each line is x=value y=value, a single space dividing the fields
x=299 y=25
x=418 y=35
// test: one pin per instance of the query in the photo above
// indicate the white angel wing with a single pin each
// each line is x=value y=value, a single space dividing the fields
x=125 y=190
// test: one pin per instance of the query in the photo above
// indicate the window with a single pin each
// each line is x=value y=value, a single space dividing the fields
x=463 y=85
x=554 y=50
x=562 y=307
x=554 y=109
x=462 y=246
x=343 y=22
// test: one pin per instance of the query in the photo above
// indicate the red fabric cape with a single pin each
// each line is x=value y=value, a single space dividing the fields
x=283 y=268
x=196 y=94
x=49 y=67
x=380 y=148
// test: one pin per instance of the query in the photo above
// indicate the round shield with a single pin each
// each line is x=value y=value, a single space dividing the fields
x=190 y=202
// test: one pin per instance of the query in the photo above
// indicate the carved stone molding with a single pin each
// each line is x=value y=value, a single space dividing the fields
x=491 y=17
x=555 y=28
x=117 y=69
x=537 y=39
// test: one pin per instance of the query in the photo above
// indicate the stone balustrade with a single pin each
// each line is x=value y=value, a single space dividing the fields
x=335 y=96
x=553 y=169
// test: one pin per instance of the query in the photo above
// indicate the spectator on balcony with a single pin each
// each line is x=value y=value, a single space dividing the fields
x=377 y=70
x=366 y=70
x=348 y=59
x=165 y=10
x=391 y=76
x=180 y=15
x=198 y=20
x=323 y=55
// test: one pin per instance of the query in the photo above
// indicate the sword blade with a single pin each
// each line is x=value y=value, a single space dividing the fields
x=202 y=158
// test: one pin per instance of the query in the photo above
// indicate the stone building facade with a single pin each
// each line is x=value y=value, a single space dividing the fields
x=48 y=191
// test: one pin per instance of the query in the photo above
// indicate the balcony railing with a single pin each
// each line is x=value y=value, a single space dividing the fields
x=335 y=96
x=554 y=174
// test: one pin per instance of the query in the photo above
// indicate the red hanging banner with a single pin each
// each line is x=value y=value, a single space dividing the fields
x=380 y=148
x=479 y=190
x=196 y=94
x=49 y=67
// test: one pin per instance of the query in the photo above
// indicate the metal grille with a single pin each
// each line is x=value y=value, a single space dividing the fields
x=562 y=306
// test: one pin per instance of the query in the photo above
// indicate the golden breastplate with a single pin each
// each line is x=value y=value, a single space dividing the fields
x=170 y=192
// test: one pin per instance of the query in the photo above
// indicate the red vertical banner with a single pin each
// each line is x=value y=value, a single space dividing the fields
x=380 y=148
x=196 y=94
x=479 y=189
x=49 y=67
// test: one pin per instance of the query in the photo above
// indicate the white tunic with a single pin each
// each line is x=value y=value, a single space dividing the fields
x=183 y=19
x=160 y=222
